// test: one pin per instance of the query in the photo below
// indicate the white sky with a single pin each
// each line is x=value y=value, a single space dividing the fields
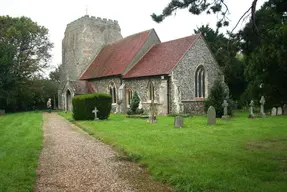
x=133 y=16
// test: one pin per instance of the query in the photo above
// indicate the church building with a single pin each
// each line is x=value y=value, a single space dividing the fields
x=177 y=75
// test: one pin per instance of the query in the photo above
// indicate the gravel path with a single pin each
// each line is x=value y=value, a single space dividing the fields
x=71 y=160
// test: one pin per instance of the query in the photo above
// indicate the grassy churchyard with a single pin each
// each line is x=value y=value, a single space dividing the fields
x=20 y=146
x=240 y=154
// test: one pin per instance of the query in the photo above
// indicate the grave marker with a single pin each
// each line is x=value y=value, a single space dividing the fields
x=274 y=111
x=178 y=122
x=211 y=116
x=95 y=111
x=279 y=111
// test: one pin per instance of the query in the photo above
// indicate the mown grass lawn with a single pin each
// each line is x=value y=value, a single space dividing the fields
x=20 y=146
x=237 y=155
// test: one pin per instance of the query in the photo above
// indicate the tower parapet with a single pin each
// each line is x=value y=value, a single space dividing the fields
x=92 y=20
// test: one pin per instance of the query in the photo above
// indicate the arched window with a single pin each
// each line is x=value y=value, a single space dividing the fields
x=150 y=91
x=129 y=96
x=112 y=89
x=200 y=82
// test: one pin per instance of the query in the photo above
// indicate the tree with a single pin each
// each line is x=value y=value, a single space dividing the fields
x=216 y=97
x=24 y=51
x=197 y=7
x=265 y=54
x=55 y=75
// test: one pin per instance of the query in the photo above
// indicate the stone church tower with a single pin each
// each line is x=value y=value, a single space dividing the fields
x=84 y=38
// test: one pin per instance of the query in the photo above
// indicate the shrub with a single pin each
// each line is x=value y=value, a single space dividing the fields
x=83 y=105
x=135 y=102
x=216 y=97
x=134 y=105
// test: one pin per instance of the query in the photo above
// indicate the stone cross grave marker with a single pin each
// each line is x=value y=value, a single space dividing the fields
x=225 y=105
x=95 y=111
x=285 y=109
x=178 y=122
x=262 y=102
x=2 y=112
x=273 y=111
x=251 y=114
x=279 y=111
x=211 y=116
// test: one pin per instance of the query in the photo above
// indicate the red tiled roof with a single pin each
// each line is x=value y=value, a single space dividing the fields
x=115 y=57
x=162 y=58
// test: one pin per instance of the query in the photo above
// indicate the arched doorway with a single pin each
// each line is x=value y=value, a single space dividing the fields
x=68 y=101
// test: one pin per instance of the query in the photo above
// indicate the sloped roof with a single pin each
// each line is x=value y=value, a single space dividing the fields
x=115 y=57
x=162 y=58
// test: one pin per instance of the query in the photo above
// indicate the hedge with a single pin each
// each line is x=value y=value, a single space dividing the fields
x=83 y=105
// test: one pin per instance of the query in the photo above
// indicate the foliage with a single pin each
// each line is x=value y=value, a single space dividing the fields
x=135 y=102
x=55 y=75
x=236 y=155
x=134 y=105
x=216 y=97
x=24 y=53
x=225 y=52
x=265 y=54
x=83 y=105
x=197 y=7
x=20 y=147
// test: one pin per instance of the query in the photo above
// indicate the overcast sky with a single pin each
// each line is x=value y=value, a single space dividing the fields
x=133 y=16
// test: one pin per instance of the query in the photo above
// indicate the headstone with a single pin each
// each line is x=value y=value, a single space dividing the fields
x=251 y=114
x=285 y=109
x=262 y=102
x=95 y=111
x=279 y=111
x=225 y=111
x=211 y=116
x=2 y=112
x=178 y=122
x=273 y=111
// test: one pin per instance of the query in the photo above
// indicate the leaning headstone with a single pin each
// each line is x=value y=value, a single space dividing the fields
x=211 y=116
x=95 y=111
x=279 y=111
x=262 y=102
x=225 y=105
x=178 y=122
x=285 y=109
x=2 y=112
x=273 y=111
x=251 y=114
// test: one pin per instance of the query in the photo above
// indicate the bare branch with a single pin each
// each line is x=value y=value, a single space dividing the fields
x=241 y=19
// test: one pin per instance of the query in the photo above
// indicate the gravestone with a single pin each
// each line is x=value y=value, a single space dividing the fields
x=251 y=114
x=285 y=109
x=225 y=112
x=211 y=116
x=178 y=122
x=95 y=111
x=273 y=111
x=2 y=112
x=279 y=111
x=262 y=102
